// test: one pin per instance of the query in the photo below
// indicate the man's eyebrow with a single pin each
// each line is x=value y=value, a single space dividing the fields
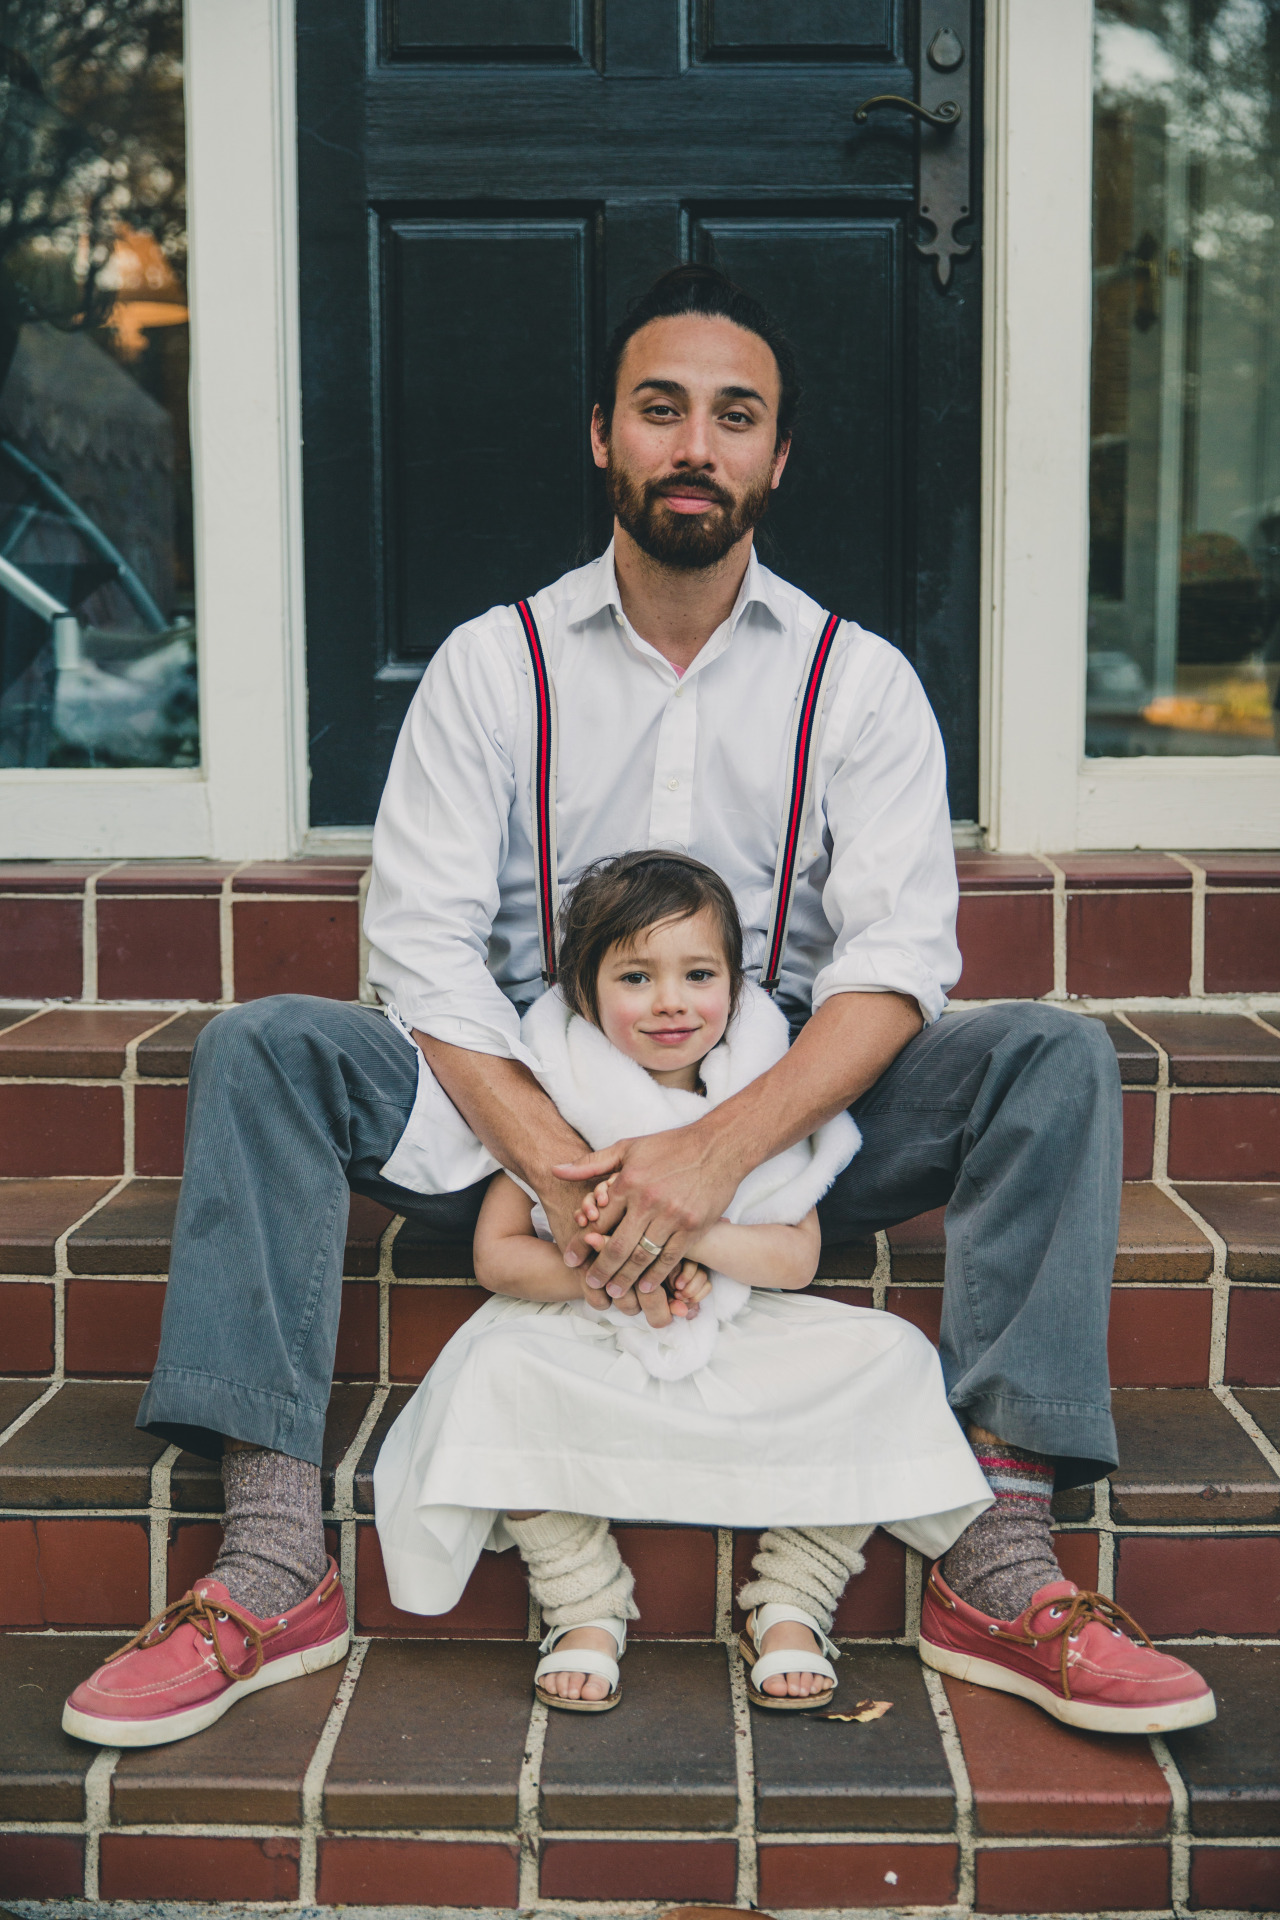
x=676 y=388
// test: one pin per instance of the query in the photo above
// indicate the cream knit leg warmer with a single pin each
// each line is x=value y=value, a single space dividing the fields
x=575 y=1570
x=807 y=1567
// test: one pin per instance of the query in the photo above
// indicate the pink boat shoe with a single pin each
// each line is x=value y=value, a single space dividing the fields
x=1069 y=1653
x=200 y=1656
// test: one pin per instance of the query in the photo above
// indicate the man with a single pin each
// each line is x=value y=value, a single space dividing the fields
x=676 y=659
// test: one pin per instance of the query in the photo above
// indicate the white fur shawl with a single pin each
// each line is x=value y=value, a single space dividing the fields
x=606 y=1096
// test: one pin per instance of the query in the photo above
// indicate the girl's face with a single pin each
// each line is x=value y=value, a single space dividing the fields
x=664 y=997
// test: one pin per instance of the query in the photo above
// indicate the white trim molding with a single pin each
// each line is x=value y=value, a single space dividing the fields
x=1040 y=794
x=248 y=798
x=1038 y=265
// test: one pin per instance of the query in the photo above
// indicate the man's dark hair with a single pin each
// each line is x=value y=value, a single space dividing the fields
x=617 y=899
x=703 y=290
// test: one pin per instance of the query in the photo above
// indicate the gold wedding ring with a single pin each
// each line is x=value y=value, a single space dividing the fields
x=653 y=1252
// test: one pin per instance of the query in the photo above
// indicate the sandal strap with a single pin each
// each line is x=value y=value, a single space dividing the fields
x=579 y=1660
x=788 y=1660
x=762 y=1618
x=617 y=1628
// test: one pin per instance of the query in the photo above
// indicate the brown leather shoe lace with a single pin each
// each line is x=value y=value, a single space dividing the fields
x=204 y=1615
x=1078 y=1612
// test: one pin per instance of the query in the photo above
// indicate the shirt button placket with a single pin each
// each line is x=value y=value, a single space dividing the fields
x=671 y=808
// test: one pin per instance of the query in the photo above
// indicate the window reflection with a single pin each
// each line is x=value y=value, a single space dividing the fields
x=97 y=636
x=1184 y=565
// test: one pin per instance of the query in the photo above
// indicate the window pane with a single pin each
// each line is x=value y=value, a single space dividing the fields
x=1184 y=563
x=97 y=635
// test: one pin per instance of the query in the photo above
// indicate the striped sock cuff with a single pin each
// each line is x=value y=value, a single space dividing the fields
x=1013 y=1474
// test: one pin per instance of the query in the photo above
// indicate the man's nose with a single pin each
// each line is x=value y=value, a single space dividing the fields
x=695 y=447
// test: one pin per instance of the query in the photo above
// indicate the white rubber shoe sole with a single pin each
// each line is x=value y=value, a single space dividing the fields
x=108 y=1732
x=1073 y=1713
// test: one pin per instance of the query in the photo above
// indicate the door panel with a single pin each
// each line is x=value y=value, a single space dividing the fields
x=489 y=30
x=795 y=29
x=488 y=472
x=483 y=188
x=835 y=285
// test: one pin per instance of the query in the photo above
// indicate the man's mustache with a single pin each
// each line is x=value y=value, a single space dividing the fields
x=695 y=483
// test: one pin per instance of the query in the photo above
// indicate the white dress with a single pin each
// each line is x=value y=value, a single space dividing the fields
x=803 y=1412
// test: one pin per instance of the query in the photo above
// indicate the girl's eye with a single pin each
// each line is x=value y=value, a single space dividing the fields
x=699 y=974
x=634 y=979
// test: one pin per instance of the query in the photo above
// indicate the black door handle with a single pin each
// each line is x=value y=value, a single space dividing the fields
x=946 y=114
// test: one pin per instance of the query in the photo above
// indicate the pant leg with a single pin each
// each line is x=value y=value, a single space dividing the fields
x=1010 y=1117
x=292 y=1101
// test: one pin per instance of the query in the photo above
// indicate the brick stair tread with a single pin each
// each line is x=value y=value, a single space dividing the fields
x=35 y=1213
x=1138 y=1060
x=1204 y=1049
x=434 y=1739
x=133 y=1234
x=1247 y=1216
x=74 y=1042
x=166 y=1054
x=1184 y=1459
x=1214 y=1049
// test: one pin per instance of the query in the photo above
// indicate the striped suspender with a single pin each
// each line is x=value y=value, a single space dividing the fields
x=804 y=732
x=542 y=786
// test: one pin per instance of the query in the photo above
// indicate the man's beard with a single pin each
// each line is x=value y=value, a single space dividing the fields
x=690 y=541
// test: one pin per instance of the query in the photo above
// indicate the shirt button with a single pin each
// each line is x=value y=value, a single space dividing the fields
x=679 y=693
x=672 y=785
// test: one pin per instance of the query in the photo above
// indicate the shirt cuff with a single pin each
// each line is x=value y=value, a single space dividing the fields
x=476 y=1036
x=889 y=971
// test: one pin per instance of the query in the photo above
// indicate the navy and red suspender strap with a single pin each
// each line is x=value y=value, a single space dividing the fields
x=804 y=731
x=542 y=787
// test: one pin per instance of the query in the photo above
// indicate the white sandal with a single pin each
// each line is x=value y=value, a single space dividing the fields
x=764 y=1666
x=582 y=1660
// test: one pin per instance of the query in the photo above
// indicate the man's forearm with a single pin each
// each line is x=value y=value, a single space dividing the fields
x=505 y=1107
x=841 y=1052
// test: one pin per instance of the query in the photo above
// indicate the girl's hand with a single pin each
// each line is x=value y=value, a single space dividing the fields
x=691 y=1284
x=594 y=1204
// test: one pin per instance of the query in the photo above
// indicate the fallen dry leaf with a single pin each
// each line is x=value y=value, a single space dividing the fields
x=865 y=1710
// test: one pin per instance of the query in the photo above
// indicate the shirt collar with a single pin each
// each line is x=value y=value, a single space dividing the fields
x=599 y=589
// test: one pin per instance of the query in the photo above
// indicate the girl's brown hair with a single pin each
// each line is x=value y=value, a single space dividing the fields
x=616 y=900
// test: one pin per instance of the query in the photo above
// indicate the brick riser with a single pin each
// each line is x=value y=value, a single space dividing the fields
x=1101 y=925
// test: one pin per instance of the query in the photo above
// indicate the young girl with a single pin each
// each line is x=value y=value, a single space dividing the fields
x=756 y=1407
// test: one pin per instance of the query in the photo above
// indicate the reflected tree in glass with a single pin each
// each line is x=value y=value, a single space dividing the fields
x=97 y=636
x=1184 y=573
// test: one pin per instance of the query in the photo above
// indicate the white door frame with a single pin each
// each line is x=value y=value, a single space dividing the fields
x=1040 y=794
x=248 y=796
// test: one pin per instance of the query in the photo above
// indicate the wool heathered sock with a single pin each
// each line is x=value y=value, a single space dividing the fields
x=575 y=1571
x=1006 y=1554
x=805 y=1567
x=273 y=1552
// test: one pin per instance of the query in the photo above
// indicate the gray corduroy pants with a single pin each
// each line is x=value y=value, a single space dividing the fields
x=1008 y=1116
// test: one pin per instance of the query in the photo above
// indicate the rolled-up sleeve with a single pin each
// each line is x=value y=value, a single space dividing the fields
x=439 y=845
x=891 y=892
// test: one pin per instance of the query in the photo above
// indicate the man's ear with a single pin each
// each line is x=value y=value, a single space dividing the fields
x=780 y=460
x=599 y=438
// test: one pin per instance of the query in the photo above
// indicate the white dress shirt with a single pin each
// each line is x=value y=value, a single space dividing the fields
x=648 y=758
